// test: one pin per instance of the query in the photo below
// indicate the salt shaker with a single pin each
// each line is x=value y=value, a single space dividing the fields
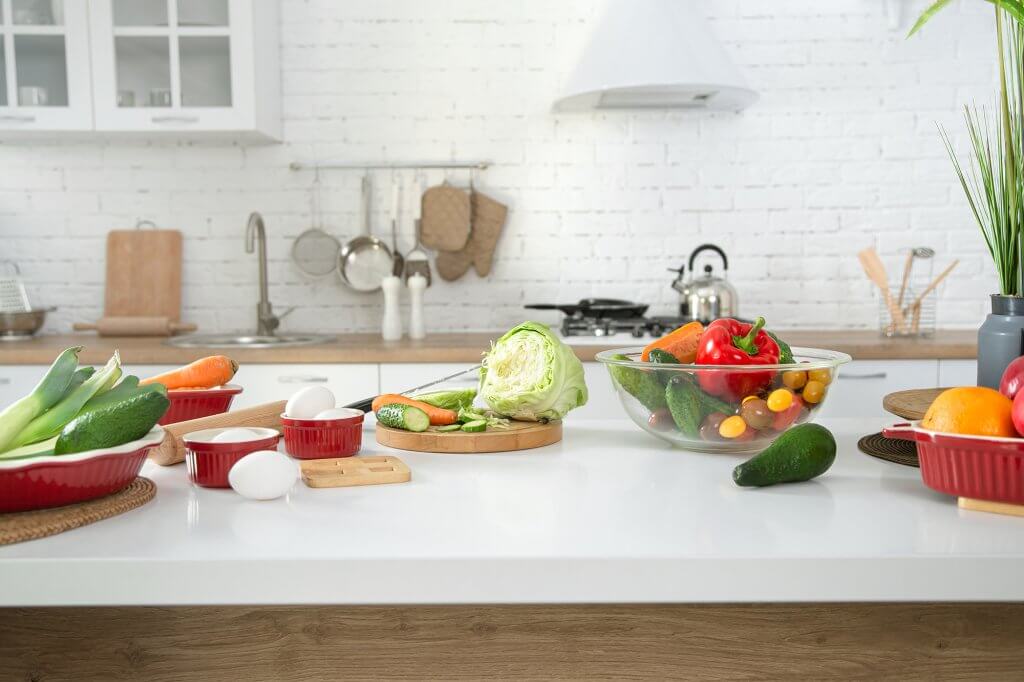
x=391 y=328
x=417 y=283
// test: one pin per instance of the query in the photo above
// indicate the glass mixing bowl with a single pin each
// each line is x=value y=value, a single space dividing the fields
x=722 y=408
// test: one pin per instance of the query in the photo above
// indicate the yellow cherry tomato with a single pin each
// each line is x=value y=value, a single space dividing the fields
x=780 y=400
x=814 y=391
x=748 y=399
x=732 y=427
x=822 y=376
x=795 y=379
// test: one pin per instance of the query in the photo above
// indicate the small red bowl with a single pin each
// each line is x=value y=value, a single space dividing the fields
x=323 y=438
x=187 y=405
x=209 y=463
x=979 y=467
x=43 y=482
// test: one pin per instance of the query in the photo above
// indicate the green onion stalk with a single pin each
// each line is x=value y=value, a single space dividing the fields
x=50 y=390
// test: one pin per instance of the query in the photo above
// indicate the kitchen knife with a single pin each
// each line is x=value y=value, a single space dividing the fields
x=366 y=404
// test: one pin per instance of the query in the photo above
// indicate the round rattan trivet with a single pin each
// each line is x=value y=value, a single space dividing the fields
x=30 y=525
x=890 y=449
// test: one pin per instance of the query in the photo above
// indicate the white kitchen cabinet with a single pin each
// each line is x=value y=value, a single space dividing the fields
x=185 y=66
x=17 y=381
x=44 y=66
x=861 y=385
x=958 y=372
x=267 y=383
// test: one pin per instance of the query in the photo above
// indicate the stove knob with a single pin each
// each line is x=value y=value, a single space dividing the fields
x=637 y=332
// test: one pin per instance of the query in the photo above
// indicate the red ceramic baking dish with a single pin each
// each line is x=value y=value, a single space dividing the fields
x=43 y=482
x=206 y=402
x=209 y=463
x=323 y=438
x=979 y=467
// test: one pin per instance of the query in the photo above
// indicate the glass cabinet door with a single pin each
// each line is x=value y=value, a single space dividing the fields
x=172 y=63
x=44 y=78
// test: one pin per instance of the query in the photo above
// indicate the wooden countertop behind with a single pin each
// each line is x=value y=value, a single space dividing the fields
x=457 y=347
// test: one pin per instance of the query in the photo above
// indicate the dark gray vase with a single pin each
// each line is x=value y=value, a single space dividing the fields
x=1000 y=339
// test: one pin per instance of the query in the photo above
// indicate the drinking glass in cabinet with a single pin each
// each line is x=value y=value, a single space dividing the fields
x=202 y=13
x=37 y=12
x=41 y=70
x=143 y=70
x=205 y=71
x=140 y=12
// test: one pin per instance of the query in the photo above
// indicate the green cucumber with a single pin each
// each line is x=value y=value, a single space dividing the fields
x=475 y=426
x=449 y=428
x=800 y=454
x=640 y=383
x=683 y=399
x=405 y=417
x=112 y=424
x=662 y=356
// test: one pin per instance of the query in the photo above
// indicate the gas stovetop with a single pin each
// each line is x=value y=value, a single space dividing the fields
x=637 y=327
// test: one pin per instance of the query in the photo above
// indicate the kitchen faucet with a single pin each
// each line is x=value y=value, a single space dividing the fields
x=256 y=234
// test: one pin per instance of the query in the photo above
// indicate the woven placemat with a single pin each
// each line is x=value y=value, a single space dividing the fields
x=30 y=525
x=890 y=449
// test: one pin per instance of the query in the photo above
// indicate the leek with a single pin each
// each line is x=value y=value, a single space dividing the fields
x=41 y=449
x=53 y=420
x=51 y=389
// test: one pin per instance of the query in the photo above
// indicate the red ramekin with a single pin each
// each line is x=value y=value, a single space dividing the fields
x=209 y=463
x=323 y=438
x=206 y=402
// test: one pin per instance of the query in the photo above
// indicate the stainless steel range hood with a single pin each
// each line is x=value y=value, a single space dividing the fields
x=655 y=54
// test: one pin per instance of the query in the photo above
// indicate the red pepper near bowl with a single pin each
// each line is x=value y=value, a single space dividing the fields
x=731 y=342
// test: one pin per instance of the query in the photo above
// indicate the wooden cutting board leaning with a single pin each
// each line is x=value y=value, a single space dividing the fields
x=518 y=436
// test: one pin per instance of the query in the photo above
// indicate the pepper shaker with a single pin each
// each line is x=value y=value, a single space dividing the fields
x=391 y=328
x=417 y=283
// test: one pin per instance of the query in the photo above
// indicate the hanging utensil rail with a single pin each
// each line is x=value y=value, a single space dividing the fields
x=426 y=165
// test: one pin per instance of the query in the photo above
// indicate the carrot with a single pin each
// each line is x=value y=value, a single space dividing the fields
x=682 y=343
x=438 y=415
x=215 y=370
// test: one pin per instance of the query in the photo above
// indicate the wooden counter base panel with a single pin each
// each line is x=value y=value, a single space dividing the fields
x=595 y=642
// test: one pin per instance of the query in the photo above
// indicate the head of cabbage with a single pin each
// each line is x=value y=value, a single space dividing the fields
x=530 y=375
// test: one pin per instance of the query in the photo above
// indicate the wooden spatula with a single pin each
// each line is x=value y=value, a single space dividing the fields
x=875 y=270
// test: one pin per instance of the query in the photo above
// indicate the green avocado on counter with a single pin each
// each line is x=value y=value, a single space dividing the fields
x=640 y=383
x=800 y=454
x=113 y=424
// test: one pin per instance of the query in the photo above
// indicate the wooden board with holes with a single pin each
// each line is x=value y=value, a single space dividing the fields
x=350 y=471
x=518 y=436
x=143 y=274
x=990 y=507
x=911 y=404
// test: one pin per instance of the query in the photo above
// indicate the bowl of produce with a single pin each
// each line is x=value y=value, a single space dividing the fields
x=199 y=389
x=80 y=433
x=727 y=387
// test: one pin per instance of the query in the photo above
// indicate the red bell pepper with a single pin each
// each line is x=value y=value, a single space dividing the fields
x=731 y=342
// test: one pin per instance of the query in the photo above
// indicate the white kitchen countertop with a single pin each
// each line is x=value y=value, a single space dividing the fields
x=608 y=515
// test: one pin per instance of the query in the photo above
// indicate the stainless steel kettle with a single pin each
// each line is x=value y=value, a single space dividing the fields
x=707 y=297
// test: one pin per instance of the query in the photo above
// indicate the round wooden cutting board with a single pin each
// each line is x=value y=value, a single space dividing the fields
x=518 y=436
x=911 y=404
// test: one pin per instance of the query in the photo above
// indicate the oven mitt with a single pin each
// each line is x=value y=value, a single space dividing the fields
x=489 y=218
x=446 y=218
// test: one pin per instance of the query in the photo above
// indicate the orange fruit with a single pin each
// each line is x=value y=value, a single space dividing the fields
x=971 y=410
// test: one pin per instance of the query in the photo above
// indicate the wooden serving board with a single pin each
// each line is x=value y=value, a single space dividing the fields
x=911 y=404
x=143 y=274
x=350 y=471
x=518 y=436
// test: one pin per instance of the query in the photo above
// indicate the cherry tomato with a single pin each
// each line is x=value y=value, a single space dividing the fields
x=709 y=427
x=756 y=413
x=823 y=376
x=661 y=420
x=794 y=379
x=780 y=400
x=732 y=427
x=783 y=420
x=814 y=391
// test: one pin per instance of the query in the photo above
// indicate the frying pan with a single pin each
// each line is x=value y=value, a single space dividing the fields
x=608 y=308
x=364 y=260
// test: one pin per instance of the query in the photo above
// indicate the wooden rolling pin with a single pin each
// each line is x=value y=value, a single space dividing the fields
x=172 y=450
x=135 y=326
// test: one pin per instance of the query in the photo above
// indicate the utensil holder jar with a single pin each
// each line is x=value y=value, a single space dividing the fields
x=916 y=322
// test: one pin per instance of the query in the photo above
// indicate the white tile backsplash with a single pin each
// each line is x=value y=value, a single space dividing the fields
x=841 y=152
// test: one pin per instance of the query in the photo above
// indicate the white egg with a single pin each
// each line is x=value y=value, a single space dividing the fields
x=309 y=402
x=336 y=413
x=236 y=435
x=263 y=475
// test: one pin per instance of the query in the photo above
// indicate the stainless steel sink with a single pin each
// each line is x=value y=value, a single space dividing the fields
x=243 y=340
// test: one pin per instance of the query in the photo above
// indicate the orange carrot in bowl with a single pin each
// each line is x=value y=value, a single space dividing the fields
x=215 y=370
x=438 y=415
x=682 y=343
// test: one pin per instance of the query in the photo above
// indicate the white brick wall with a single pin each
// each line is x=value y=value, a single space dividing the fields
x=841 y=152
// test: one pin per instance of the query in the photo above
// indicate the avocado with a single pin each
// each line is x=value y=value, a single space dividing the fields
x=112 y=424
x=800 y=454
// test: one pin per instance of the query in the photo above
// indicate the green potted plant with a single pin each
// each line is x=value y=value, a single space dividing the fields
x=993 y=180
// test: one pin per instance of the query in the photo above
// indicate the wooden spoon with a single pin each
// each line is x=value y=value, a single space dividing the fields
x=875 y=270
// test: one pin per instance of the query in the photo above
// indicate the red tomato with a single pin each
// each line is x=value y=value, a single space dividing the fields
x=783 y=420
